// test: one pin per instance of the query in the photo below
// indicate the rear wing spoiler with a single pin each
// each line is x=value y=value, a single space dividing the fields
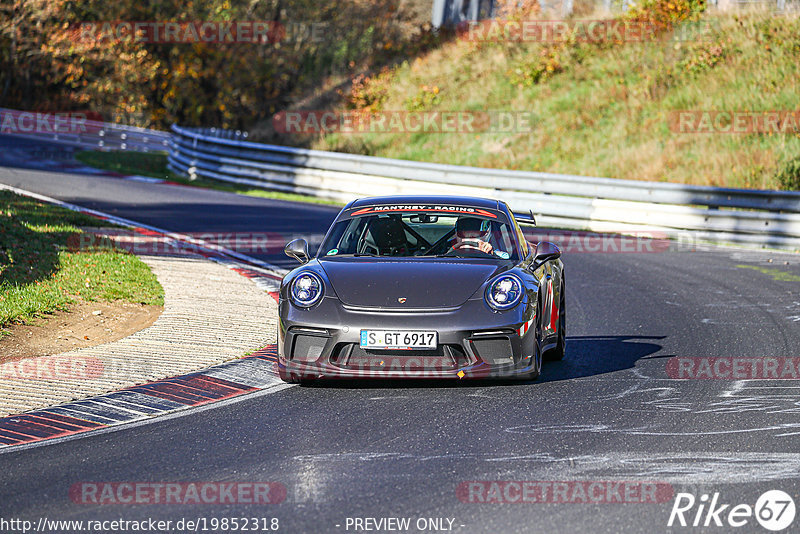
x=525 y=218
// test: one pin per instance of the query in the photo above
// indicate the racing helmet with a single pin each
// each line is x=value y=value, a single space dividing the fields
x=472 y=228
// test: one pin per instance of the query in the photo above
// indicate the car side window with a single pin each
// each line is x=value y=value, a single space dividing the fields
x=523 y=243
x=505 y=238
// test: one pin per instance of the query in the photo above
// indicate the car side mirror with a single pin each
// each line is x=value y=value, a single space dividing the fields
x=297 y=249
x=546 y=251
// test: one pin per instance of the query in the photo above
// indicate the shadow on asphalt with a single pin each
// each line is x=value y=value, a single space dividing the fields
x=596 y=355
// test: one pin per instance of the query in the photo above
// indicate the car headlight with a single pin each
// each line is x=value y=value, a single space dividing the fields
x=504 y=292
x=306 y=289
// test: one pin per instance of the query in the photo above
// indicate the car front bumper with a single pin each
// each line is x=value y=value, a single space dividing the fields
x=473 y=342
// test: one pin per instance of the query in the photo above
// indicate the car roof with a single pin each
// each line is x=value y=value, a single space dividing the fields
x=475 y=202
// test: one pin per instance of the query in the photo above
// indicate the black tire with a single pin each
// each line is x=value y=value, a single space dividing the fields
x=536 y=357
x=557 y=353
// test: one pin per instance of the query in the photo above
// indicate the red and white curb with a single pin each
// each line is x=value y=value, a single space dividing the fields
x=256 y=372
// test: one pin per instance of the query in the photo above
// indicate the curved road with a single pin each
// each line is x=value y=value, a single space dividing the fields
x=608 y=412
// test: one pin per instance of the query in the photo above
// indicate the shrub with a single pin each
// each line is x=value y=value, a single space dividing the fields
x=789 y=175
x=425 y=99
x=703 y=57
x=368 y=93
x=531 y=72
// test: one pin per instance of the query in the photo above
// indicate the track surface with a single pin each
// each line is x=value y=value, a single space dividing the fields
x=608 y=412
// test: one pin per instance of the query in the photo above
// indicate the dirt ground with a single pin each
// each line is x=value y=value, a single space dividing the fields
x=81 y=326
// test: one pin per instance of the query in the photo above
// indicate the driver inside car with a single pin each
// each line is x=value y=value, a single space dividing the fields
x=472 y=233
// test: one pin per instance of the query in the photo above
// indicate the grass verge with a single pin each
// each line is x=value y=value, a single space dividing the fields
x=602 y=110
x=39 y=273
x=154 y=165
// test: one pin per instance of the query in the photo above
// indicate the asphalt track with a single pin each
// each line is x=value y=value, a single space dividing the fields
x=608 y=412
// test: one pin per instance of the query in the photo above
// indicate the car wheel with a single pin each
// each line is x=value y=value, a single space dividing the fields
x=558 y=352
x=536 y=357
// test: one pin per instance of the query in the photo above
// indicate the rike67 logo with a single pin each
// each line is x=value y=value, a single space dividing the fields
x=774 y=510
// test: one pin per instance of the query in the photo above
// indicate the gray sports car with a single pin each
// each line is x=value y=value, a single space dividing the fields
x=422 y=287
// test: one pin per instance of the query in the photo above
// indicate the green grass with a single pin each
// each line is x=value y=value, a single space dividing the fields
x=775 y=274
x=154 y=165
x=607 y=112
x=39 y=273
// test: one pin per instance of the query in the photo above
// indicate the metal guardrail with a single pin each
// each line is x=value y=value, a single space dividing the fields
x=700 y=213
x=73 y=130
x=694 y=213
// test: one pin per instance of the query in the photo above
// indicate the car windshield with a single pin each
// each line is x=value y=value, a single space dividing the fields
x=421 y=234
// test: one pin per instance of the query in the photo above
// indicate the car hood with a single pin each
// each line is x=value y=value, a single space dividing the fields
x=424 y=284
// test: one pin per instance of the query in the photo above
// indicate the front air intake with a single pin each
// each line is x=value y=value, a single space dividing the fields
x=496 y=350
x=307 y=348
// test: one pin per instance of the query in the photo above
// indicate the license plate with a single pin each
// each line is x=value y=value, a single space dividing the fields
x=398 y=339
